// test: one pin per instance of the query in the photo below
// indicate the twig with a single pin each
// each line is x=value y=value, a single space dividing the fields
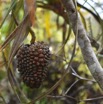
x=79 y=77
x=33 y=35
x=11 y=77
x=71 y=86
x=74 y=99
x=62 y=96
x=92 y=99
x=15 y=20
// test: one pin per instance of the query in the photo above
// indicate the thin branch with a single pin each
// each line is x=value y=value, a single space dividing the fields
x=79 y=77
x=71 y=86
x=62 y=96
x=14 y=18
x=74 y=99
x=92 y=99
x=93 y=14
x=11 y=78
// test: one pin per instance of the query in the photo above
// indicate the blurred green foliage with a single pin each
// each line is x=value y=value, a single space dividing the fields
x=51 y=27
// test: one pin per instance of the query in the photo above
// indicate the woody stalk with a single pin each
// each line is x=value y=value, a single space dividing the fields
x=83 y=41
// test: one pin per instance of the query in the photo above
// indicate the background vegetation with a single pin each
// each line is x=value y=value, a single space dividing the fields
x=52 y=27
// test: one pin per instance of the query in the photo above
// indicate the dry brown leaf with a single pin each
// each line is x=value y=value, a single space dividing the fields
x=20 y=36
x=14 y=33
x=30 y=9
